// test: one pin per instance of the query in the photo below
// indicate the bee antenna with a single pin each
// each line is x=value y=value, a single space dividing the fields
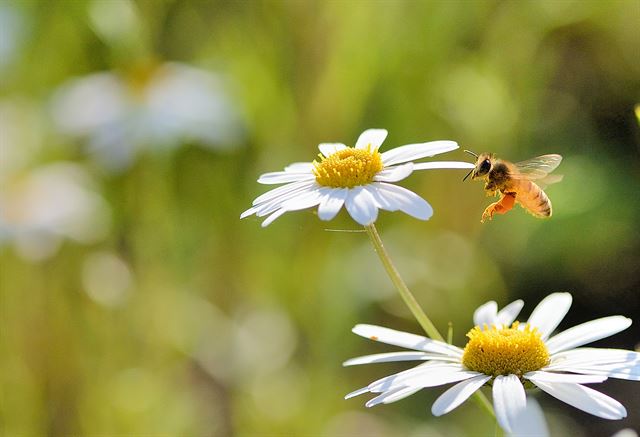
x=471 y=153
x=468 y=174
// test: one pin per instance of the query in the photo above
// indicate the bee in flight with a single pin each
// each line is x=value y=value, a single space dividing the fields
x=515 y=183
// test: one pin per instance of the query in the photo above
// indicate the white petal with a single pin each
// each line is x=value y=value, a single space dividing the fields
x=397 y=379
x=273 y=200
x=329 y=149
x=277 y=192
x=282 y=177
x=371 y=137
x=411 y=152
x=401 y=394
x=270 y=207
x=549 y=313
x=423 y=377
x=587 y=333
x=456 y=395
x=361 y=206
x=532 y=422
x=626 y=432
x=248 y=212
x=619 y=371
x=585 y=399
x=358 y=392
x=406 y=340
x=508 y=314
x=593 y=357
x=486 y=314
x=304 y=200
x=266 y=208
x=396 y=356
x=392 y=396
x=401 y=379
x=563 y=377
x=272 y=217
x=613 y=363
x=331 y=203
x=442 y=164
x=394 y=174
x=299 y=167
x=382 y=202
x=509 y=400
x=434 y=379
x=404 y=200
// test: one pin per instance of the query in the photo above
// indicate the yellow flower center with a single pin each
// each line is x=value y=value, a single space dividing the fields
x=348 y=168
x=505 y=351
x=139 y=75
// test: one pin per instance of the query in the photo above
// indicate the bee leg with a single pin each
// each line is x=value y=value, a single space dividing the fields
x=502 y=206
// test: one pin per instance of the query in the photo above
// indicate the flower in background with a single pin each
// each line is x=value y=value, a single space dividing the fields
x=13 y=32
x=107 y=278
x=627 y=432
x=509 y=356
x=151 y=106
x=360 y=178
x=52 y=202
x=41 y=205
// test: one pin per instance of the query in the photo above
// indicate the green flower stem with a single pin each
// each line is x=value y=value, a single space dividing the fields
x=413 y=304
x=402 y=288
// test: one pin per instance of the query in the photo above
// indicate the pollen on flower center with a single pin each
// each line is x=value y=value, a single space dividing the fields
x=504 y=351
x=348 y=168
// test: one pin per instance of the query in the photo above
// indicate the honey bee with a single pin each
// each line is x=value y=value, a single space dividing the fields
x=514 y=183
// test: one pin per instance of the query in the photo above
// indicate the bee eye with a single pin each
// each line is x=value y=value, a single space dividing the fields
x=485 y=166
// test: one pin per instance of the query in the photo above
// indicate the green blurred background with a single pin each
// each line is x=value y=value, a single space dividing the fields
x=135 y=302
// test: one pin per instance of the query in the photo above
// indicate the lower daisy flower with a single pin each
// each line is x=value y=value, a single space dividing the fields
x=360 y=178
x=509 y=356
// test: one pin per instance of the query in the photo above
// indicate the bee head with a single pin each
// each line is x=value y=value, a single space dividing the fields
x=483 y=165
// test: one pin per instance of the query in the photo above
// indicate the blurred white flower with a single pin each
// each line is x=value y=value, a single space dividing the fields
x=507 y=356
x=118 y=23
x=42 y=207
x=360 y=178
x=106 y=278
x=152 y=106
x=13 y=30
x=626 y=432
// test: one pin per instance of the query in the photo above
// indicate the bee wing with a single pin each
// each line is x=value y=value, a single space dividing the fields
x=548 y=180
x=538 y=167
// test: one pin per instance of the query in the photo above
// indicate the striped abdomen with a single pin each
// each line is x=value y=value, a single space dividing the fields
x=533 y=199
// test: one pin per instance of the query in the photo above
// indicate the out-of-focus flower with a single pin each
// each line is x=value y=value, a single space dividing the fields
x=107 y=279
x=509 y=356
x=12 y=33
x=152 y=106
x=360 y=178
x=627 y=432
x=41 y=208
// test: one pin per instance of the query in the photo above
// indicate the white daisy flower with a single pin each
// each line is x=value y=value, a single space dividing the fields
x=48 y=204
x=510 y=357
x=153 y=105
x=360 y=178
